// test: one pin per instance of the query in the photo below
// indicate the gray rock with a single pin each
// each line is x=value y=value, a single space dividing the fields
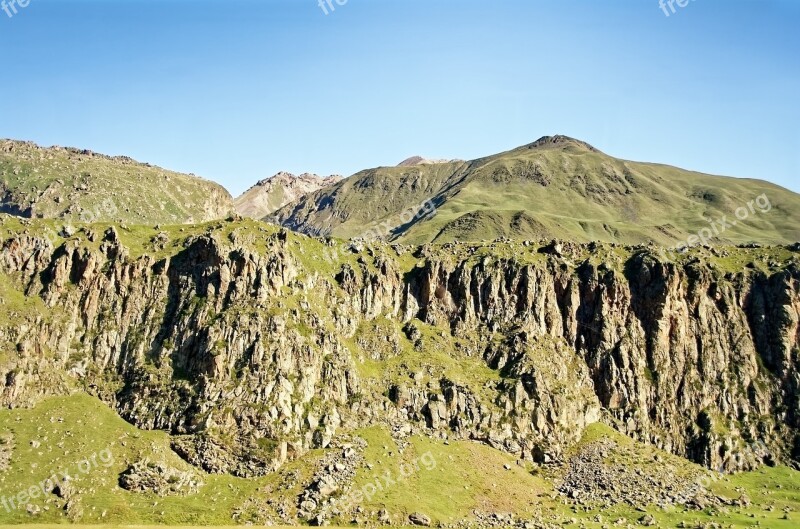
x=419 y=519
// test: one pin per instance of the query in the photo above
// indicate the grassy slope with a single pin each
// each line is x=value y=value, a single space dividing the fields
x=662 y=202
x=62 y=183
x=565 y=190
x=89 y=427
x=363 y=201
x=467 y=477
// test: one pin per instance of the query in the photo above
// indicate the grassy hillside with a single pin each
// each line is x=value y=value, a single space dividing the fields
x=459 y=479
x=81 y=185
x=556 y=187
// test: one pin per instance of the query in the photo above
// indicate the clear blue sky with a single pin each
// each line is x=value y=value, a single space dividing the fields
x=238 y=90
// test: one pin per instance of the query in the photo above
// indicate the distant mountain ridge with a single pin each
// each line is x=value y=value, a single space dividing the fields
x=555 y=187
x=271 y=194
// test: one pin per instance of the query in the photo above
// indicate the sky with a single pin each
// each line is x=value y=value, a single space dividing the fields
x=236 y=90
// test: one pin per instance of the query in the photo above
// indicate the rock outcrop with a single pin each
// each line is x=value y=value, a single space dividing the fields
x=6 y=449
x=159 y=478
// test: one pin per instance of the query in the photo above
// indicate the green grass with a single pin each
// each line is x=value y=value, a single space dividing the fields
x=74 y=428
x=448 y=481
x=117 y=526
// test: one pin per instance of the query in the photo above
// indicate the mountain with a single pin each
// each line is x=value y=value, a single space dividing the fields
x=270 y=378
x=80 y=185
x=234 y=372
x=269 y=195
x=556 y=187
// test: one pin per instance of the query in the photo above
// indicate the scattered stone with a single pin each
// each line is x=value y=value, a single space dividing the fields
x=160 y=241
x=419 y=519
x=591 y=478
x=647 y=520
x=6 y=449
x=335 y=474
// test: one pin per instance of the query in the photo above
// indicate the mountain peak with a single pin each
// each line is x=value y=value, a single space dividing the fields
x=560 y=141
x=272 y=193
x=555 y=187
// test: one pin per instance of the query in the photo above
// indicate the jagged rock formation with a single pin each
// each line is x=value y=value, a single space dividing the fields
x=252 y=345
x=159 y=478
x=84 y=186
x=269 y=195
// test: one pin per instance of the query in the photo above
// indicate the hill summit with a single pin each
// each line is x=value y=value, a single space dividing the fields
x=82 y=185
x=560 y=141
x=419 y=160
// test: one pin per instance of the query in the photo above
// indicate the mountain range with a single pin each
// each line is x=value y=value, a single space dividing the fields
x=554 y=188
x=492 y=343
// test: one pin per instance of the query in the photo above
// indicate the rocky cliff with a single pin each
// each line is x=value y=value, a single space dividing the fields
x=251 y=345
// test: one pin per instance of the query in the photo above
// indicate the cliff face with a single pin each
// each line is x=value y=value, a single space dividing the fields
x=251 y=346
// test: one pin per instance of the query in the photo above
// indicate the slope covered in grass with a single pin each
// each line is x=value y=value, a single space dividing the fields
x=80 y=185
x=556 y=187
